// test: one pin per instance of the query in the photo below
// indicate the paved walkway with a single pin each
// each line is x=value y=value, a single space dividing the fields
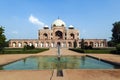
x=68 y=74
x=64 y=51
x=108 y=57
x=8 y=58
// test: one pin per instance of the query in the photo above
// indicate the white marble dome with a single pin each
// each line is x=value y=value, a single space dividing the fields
x=71 y=26
x=58 y=23
x=46 y=26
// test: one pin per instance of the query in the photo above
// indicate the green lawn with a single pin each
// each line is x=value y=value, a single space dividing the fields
x=22 y=51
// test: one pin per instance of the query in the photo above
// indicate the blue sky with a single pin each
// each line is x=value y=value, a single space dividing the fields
x=93 y=18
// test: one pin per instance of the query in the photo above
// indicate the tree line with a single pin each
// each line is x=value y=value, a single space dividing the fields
x=2 y=38
x=115 y=39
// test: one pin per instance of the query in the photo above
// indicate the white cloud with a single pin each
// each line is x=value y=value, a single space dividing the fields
x=14 y=32
x=83 y=31
x=36 y=21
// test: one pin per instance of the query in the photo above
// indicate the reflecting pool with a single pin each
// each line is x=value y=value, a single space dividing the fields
x=51 y=62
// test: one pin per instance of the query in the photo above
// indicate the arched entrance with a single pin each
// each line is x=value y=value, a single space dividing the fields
x=45 y=36
x=19 y=44
x=59 y=35
x=91 y=44
x=14 y=44
x=72 y=36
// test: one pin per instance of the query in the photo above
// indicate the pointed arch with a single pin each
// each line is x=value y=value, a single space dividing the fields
x=72 y=36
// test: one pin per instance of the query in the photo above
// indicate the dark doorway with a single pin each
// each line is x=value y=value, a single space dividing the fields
x=72 y=36
x=59 y=34
x=58 y=44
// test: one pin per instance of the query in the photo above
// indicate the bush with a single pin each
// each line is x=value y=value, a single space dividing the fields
x=27 y=47
x=117 y=51
x=1 y=49
x=75 y=44
x=88 y=47
x=77 y=50
x=98 y=51
x=118 y=47
x=20 y=51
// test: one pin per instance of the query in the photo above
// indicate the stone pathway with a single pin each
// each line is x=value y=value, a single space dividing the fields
x=68 y=74
x=25 y=75
x=108 y=57
x=64 y=51
x=8 y=58
x=93 y=74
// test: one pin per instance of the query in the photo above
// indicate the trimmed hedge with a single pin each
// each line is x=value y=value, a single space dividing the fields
x=118 y=47
x=115 y=52
x=97 y=51
x=77 y=50
x=22 y=51
x=94 y=50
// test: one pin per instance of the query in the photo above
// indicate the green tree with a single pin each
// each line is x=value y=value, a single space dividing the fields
x=116 y=32
x=6 y=44
x=28 y=47
x=110 y=43
x=2 y=38
x=75 y=44
x=118 y=47
x=82 y=44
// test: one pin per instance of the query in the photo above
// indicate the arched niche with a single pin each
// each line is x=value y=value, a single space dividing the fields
x=59 y=34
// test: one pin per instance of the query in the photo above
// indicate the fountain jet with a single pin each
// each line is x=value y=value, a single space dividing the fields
x=59 y=53
x=59 y=69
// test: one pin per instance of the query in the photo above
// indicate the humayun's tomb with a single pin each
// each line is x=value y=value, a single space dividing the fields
x=57 y=35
